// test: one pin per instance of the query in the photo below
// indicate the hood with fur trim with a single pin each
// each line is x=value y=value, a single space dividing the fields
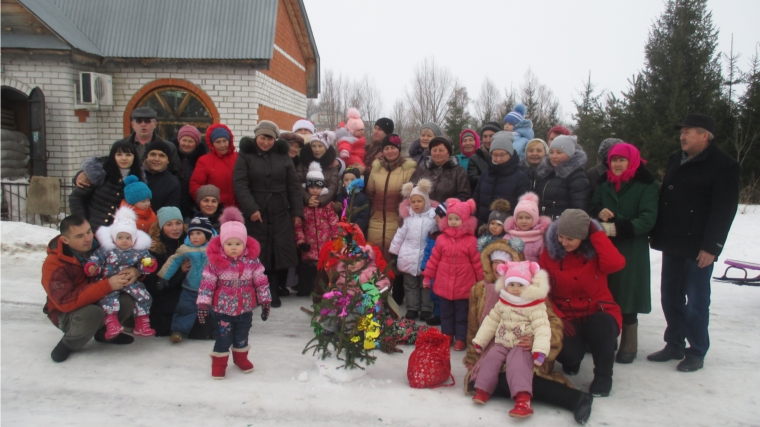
x=248 y=145
x=327 y=159
x=538 y=289
x=142 y=239
x=557 y=252
x=525 y=129
x=564 y=169
x=497 y=245
x=451 y=163
x=218 y=259
x=210 y=144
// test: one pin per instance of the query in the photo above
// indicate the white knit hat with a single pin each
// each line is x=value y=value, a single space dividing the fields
x=303 y=124
x=124 y=221
x=500 y=256
x=315 y=177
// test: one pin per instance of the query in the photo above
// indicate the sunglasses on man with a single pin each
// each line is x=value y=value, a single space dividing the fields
x=142 y=120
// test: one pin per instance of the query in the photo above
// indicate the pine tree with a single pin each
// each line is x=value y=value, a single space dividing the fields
x=457 y=117
x=591 y=119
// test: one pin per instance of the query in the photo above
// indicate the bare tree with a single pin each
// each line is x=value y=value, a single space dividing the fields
x=506 y=105
x=368 y=100
x=330 y=100
x=401 y=125
x=487 y=104
x=427 y=100
x=541 y=105
x=312 y=106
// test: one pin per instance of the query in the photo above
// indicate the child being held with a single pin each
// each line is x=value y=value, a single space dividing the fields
x=455 y=266
x=528 y=226
x=199 y=233
x=122 y=245
x=521 y=311
x=494 y=228
x=233 y=285
x=351 y=148
x=137 y=196
x=352 y=201
x=409 y=244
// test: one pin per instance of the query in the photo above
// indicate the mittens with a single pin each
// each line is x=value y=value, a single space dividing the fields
x=202 y=314
x=265 y=312
x=426 y=283
x=538 y=358
x=344 y=154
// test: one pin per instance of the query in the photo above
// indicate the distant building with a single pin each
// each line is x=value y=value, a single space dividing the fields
x=193 y=61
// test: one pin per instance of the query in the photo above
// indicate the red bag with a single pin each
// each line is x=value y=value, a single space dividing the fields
x=430 y=362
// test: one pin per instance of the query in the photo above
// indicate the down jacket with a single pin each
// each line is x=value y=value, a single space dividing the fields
x=384 y=192
x=110 y=260
x=564 y=186
x=523 y=133
x=455 y=263
x=478 y=165
x=233 y=286
x=188 y=162
x=330 y=169
x=99 y=201
x=198 y=261
x=355 y=149
x=449 y=180
x=216 y=169
x=359 y=217
x=579 y=278
x=504 y=181
x=410 y=240
x=319 y=226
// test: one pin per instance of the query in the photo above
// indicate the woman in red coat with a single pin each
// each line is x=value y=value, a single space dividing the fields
x=578 y=257
x=216 y=167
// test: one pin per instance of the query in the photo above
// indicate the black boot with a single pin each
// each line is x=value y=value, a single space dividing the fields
x=433 y=321
x=571 y=369
x=60 y=353
x=582 y=410
x=554 y=393
x=398 y=289
x=628 y=344
x=691 y=364
x=670 y=352
x=601 y=385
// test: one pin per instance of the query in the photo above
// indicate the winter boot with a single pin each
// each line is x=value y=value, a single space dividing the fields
x=142 y=327
x=219 y=364
x=582 y=409
x=670 y=352
x=240 y=359
x=522 y=407
x=433 y=321
x=411 y=314
x=177 y=337
x=113 y=327
x=460 y=345
x=601 y=385
x=571 y=369
x=628 y=344
x=481 y=397
x=60 y=353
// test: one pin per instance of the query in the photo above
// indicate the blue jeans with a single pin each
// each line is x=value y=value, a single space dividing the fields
x=231 y=331
x=436 y=300
x=186 y=312
x=685 y=296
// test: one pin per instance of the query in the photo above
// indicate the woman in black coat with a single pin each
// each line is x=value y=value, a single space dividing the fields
x=98 y=201
x=269 y=194
x=561 y=178
x=189 y=148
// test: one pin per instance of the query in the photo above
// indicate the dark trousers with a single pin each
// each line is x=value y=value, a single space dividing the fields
x=454 y=317
x=685 y=297
x=231 y=330
x=599 y=331
x=397 y=290
x=307 y=274
x=277 y=282
x=546 y=391
x=80 y=325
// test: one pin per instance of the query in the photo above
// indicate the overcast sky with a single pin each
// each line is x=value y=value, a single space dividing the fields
x=561 y=41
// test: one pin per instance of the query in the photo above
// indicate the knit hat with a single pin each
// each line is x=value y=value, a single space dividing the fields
x=566 y=144
x=573 y=223
x=558 y=129
x=232 y=225
x=265 y=127
x=354 y=120
x=443 y=139
x=124 y=221
x=207 y=190
x=499 y=211
x=315 y=177
x=220 y=132
x=528 y=203
x=135 y=190
x=168 y=213
x=303 y=124
x=520 y=272
x=422 y=188
x=535 y=141
x=500 y=256
x=516 y=115
x=604 y=148
x=440 y=210
x=502 y=140
x=325 y=138
x=463 y=209
x=433 y=127
x=158 y=145
x=385 y=124
x=475 y=136
x=492 y=126
x=353 y=171
x=201 y=223
x=392 y=140
x=191 y=131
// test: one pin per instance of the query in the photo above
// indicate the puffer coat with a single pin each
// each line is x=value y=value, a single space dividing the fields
x=99 y=201
x=449 y=180
x=478 y=164
x=504 y=181
x=319 y=226
x=564 y=186
x=216 y=169
x=198 y=261
x=410 y=240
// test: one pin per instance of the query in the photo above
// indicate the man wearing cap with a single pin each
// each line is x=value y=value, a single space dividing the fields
x=165 y=187
x=383 y=127
x=698 y=201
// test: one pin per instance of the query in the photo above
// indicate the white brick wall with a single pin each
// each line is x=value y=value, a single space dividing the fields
x=236 y=93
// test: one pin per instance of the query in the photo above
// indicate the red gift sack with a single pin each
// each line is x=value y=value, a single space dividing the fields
x=430 y=362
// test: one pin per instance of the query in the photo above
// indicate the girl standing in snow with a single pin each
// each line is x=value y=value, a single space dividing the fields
x=455 y=266
x=233 y=285
x=527 y=226
x=122 y=245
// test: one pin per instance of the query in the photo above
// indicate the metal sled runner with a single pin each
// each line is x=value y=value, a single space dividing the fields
x=743 y=266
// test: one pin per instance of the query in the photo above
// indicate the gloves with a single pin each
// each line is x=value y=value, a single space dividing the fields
x=265 y=312
x=593 y=227
x=426 y=283
x=609 y=229
x=304 y=247
x=202 y=314
x=568 y=328
x=538 y=358
x=344 y=154
x=478 y=349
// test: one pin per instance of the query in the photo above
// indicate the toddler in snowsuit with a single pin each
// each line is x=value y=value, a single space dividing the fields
x=233 y=285
x=527 y=226
x=351 y=148
x=122 y=245
x=494 y=228
x=199 y=233
x=455 y=266
x=358 y=210
x=409 y=244
x=137 y=196
x=521 y=311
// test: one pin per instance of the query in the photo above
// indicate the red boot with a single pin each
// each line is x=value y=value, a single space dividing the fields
x=113 y=327
x=460 y=345
x=522 y=407
x=240 y=359
x=219 y=365
x=142 y=327
x=481 y=396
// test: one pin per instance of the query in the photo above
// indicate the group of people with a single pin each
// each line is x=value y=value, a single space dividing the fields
x=193 y=230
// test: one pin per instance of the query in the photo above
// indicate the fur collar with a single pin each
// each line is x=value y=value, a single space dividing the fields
x=564 y=169
x=218 y=259
x=532 y=235
x=467 y=228
x=160 y=238
x=450 y=164
x=642 y=175
x=557 y=252
x=405 y=210
x=326 y=161
x=404 y=162
x=538 y=289
x=248 y=145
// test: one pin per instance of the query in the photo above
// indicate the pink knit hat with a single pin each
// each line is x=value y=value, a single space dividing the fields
x=462 y=209
x=354 y=120
x=191 y=131
x=528 y=203
x=232 y=225
x=520 y=272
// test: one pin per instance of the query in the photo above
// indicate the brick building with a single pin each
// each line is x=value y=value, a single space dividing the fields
x=194 y=61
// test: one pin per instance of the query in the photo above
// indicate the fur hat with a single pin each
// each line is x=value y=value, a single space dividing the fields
x=566 y=144
x=516 y=115
x=604 y=148
x=422 y=189
x=208 y=190
x=124 y=221
x=443 y=139
x=315 y=177
x=463 y=209
x=385 y=124
x=520 y=272
x=191 y=131
x=266 y=127
x=135 y=190
x=354 y=120
x=528 y=203
x=433 y=128
x=232 y=225
x=292 y=137
x=325 y=138
x=502 y=140
x=201 y=223
x=303 y=124
x=574 y=223
x=499 y=211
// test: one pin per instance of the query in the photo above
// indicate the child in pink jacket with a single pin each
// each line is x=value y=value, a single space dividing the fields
x=352 y=148
x=455 y=266
x=527 y=226
x=233 y=284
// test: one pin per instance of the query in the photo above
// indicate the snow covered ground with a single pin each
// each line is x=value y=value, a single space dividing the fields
x=155 y=382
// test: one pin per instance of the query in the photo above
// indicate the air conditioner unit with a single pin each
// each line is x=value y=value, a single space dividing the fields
x=94 y=89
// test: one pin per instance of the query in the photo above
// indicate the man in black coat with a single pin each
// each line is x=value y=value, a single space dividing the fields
x=165 y=187
x=698 y=202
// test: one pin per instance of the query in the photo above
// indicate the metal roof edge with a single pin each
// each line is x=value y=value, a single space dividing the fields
x=61 y=25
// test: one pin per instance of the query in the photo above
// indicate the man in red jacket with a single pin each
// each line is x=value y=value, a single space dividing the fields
x=72 y=295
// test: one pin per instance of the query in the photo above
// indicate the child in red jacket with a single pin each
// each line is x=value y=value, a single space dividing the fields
x=351 y=149
x=455 y=266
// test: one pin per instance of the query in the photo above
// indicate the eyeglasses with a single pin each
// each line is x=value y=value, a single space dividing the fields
x=146 y=121
x=499 y=155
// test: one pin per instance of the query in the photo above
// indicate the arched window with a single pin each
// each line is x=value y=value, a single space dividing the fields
x=176 y=107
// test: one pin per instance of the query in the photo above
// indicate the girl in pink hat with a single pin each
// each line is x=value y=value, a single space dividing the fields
x=528 y=226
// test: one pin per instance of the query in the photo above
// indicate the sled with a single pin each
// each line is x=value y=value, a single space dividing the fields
x=743 y=266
